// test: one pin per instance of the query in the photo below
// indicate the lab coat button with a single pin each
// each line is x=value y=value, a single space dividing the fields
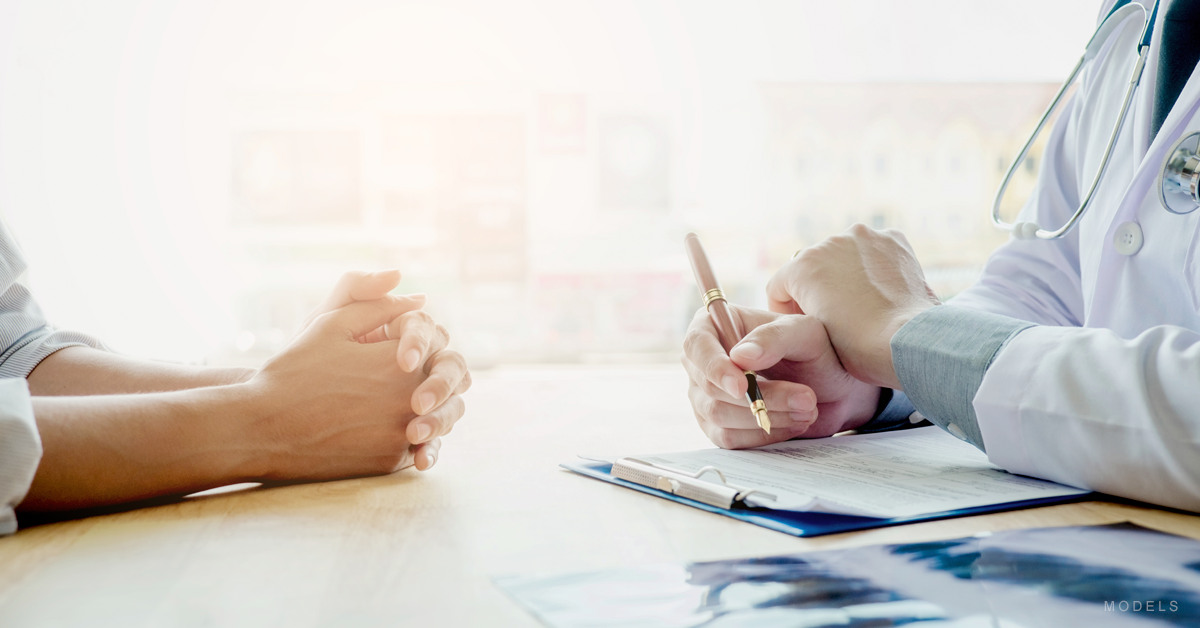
x=957 y=432
x=1128 y=238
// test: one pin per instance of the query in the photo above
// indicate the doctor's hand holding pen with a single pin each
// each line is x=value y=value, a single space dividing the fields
x=807 y=392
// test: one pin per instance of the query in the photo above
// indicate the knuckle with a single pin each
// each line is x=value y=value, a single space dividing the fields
x=436 y=422
x=689 y=342
x=326 y=319
x=448 y=364
x=771 y=332
x=455 y=358
x=698 y=399
x=803 y=259
x=351 y=276
x=440 y=385
x=417 y=322
x=456 y=407
x=715 y=364
x=424 y=317
x=722 y=438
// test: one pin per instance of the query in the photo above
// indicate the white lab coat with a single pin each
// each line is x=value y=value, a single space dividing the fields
x=1105 y=393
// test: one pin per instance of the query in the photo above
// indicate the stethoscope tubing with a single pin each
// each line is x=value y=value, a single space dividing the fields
x=1030 y=230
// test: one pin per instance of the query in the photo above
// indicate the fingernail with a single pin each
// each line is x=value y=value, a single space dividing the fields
x=384 y=273
x=426 y=401
x=749 y=350
x=410 y=359
x=430 y=458
x=423 y=432
x=730 y=384
x=417 y=296
x=802 y=401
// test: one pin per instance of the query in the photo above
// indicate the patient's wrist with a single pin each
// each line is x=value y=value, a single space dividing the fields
x=234 y=416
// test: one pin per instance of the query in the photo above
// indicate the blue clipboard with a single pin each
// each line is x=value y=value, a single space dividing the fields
x=807 y=523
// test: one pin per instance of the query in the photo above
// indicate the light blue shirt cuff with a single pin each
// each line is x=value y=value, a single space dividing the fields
x=940 y=358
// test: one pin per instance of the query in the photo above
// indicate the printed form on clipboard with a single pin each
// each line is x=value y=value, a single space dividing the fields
x=906 y=473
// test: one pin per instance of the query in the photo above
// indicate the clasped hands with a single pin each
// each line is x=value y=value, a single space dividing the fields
x=823 y=351
x=366 y=387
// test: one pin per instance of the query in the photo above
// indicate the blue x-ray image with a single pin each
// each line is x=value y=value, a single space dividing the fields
x=1116 y=575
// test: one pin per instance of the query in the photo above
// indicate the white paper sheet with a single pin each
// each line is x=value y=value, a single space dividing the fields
x=892 y=474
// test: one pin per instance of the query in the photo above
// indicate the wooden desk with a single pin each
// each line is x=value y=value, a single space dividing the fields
x=420 y=549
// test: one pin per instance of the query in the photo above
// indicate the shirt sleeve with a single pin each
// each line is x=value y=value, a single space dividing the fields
x=895 y=412
x=940 y=358
x=26 y=338
x=20 y=449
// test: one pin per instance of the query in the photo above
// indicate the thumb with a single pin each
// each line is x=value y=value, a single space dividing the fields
x=362 y=317
x=359 y=286
x=779 y=297
x=354 y=286
x=796 y=337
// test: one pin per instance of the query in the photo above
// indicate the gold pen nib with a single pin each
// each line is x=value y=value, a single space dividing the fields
x=760 y=413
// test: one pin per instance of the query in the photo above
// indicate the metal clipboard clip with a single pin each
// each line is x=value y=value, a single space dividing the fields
x=685 y=484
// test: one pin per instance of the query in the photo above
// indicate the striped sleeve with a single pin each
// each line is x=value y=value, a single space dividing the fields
x=20 y=449
x=26 y=338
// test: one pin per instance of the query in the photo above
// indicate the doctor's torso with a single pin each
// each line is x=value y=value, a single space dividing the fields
x=1123 y=289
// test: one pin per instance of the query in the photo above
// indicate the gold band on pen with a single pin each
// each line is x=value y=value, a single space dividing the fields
x=713 y=295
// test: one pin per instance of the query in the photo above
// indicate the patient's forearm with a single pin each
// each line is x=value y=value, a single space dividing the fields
x=109 y=449
x=86 y=371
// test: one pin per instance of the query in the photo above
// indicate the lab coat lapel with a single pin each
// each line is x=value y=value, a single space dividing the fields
x=1143 y=102
x=1102 y=310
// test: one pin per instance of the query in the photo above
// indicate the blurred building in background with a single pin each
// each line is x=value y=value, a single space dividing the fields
x=922 y=158
x=547 y=227
x=189 y=179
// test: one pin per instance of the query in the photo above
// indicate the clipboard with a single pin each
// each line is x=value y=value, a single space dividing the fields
x=802 y=524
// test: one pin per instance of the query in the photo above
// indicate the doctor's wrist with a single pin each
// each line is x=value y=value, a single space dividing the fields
x=871 y=360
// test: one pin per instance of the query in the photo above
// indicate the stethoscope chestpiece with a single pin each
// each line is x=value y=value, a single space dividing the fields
x=1179 y=177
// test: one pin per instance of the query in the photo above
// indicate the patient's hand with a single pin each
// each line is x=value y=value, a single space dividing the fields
x=422 y=346
x=330 y=406
x=807 y=392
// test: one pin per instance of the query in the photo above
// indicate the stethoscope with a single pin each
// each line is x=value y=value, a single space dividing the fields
x=1179 y=177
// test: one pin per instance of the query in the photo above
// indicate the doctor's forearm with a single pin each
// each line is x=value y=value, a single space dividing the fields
x=1073 y=405
x=81 y=371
